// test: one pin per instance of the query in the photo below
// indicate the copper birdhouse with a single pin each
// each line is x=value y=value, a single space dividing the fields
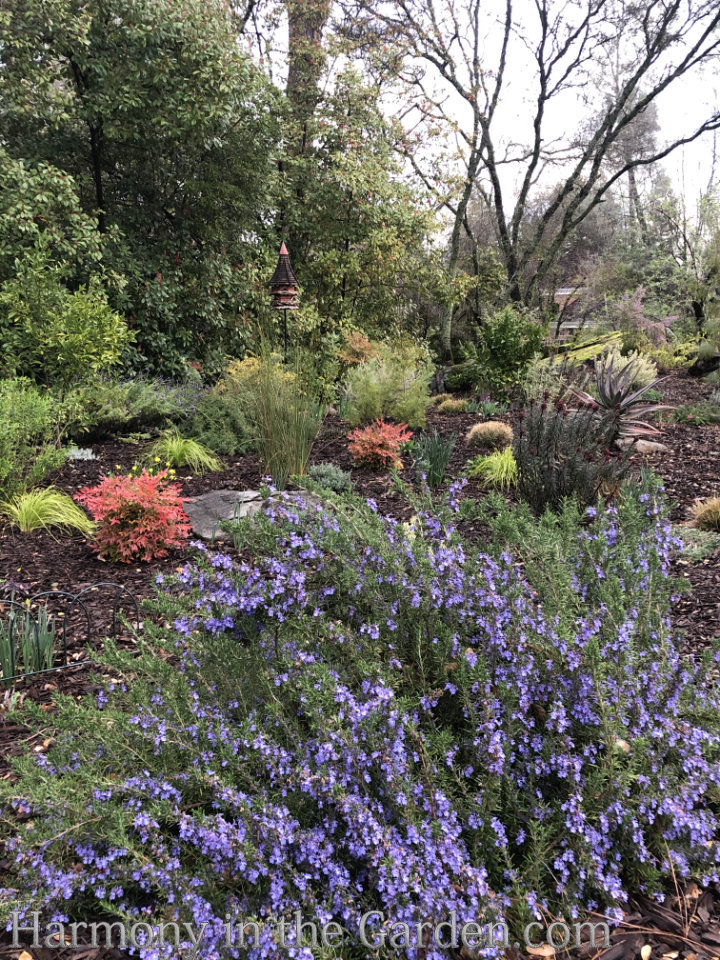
x=284 y=284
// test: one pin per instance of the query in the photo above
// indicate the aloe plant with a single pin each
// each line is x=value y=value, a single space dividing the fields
x=615 y=395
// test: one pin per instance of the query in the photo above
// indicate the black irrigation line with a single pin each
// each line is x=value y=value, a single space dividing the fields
x=72 y=601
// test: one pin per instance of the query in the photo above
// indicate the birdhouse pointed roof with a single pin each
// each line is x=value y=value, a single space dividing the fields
x=284 y=275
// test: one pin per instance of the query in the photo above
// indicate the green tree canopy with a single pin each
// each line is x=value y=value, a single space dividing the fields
x=169 y=133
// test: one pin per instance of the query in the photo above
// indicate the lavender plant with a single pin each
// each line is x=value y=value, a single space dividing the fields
x=377 y=716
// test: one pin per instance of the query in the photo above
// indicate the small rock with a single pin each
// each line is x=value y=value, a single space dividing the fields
x=643 y=446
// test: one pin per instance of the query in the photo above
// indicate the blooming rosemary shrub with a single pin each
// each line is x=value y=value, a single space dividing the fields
x=378 y=445
x=140 y=517
x=377 y=716
x=563 y=453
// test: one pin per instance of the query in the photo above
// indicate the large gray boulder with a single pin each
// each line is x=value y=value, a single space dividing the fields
x=208 y=511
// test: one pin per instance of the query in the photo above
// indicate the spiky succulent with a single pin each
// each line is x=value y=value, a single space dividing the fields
x=615 y=394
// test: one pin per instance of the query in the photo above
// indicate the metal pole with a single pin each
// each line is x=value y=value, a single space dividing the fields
x=285 y=334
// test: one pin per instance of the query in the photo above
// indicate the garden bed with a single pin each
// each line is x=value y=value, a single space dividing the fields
x=688 y=925
x=33 y=563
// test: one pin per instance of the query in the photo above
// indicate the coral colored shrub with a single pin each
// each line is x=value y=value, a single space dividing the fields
x=140 y=517
x=379 y=444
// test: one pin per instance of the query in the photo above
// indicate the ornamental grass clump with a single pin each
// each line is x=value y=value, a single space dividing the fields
x=497 y=470
x=285 y=419
x=490 y=435
x=46 y=509
x=365 y=715
x=139 y=517
x=180 y=452
x=706 y=514
x=452 y=408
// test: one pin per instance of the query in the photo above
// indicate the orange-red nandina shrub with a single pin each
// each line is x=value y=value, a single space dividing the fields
x=379 y=444
x=140 y=517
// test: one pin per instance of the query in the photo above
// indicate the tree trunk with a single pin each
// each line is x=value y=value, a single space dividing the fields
x=306 y=62
x=636 y=205
x=460 y=214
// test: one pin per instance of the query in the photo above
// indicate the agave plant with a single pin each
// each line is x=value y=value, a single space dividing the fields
x=615 y=395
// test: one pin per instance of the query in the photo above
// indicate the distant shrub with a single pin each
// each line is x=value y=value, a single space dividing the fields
x=507 y=344
x=27 y=433
x=220 y=422
x=706 y=514
x=704 y=413
x=490 y=435
x=140 y=517
x=378 y=445
x=357 y=348
x=498 y=470
x=674 y=355
x=548 y=375
x=706 y=350
x=563 y=453
x=439 y=398
x=53 y=335
x=394 y=385
x=107 y=408
x=644 y=371
x=330 y=476
x=463 y=376
x=451 y=408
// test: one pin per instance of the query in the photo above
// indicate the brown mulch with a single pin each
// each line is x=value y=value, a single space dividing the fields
x=685 y=927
